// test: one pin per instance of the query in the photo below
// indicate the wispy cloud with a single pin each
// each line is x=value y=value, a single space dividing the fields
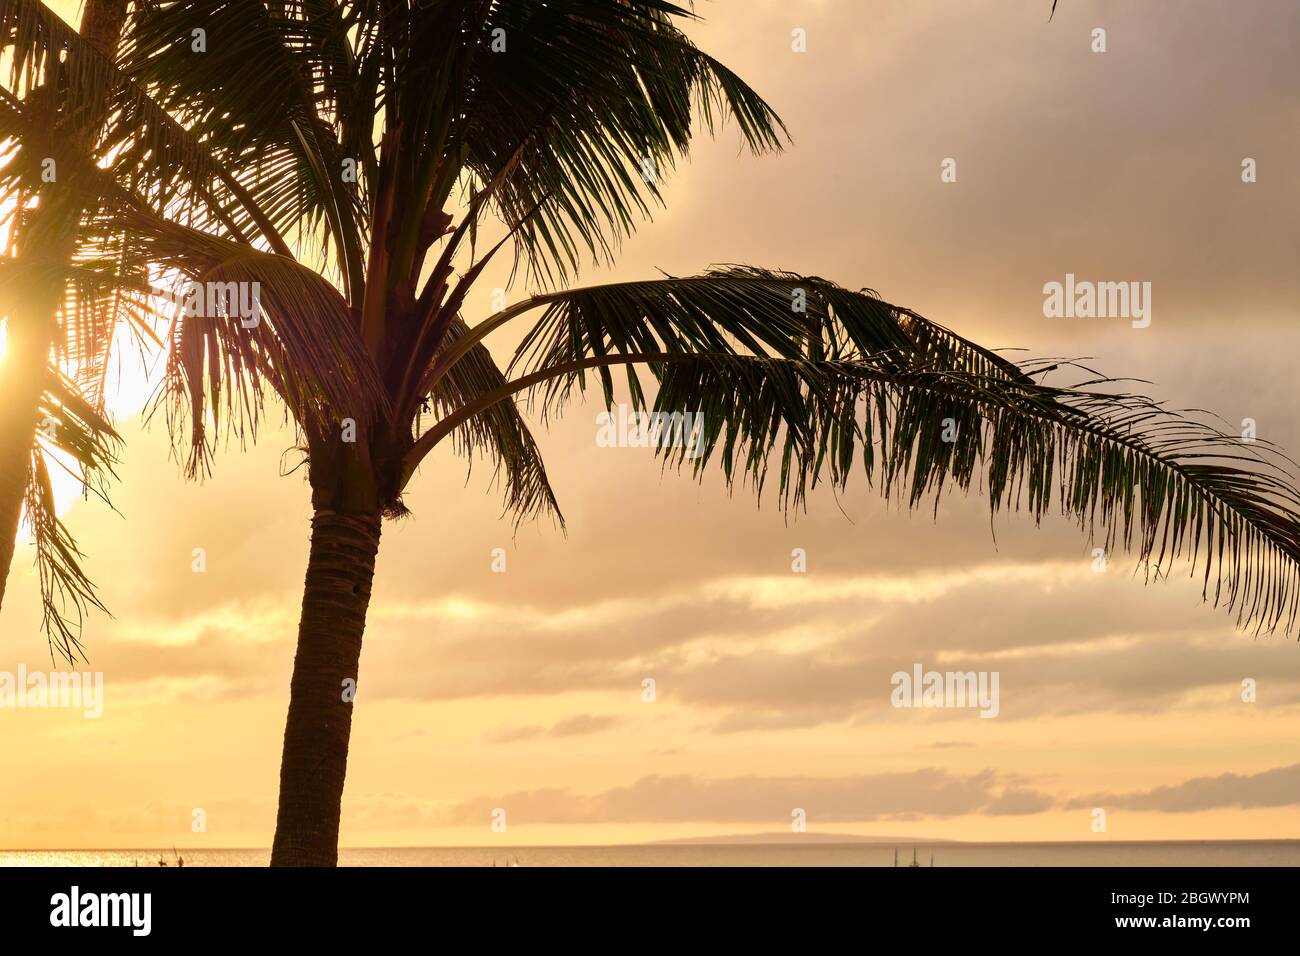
x=1279 y=787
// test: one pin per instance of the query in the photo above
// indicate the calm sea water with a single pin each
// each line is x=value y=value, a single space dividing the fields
x=1245 y=853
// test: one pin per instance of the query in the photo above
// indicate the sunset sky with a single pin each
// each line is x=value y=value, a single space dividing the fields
x=523 y=690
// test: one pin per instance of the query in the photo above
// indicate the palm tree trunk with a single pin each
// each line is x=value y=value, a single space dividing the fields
x=336 y=595
x=21 y=385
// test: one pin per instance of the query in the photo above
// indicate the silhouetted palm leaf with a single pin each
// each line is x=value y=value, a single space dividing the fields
x=921 y=407
x=73 y=429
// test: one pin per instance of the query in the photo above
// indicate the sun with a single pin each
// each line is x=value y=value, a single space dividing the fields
x=131 y=381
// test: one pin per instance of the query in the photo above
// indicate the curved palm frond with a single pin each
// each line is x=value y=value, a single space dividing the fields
x=1163 y=484
x=78 y=429
x=122 y=247
x=590 y=110
x=82 y=442
x=161 y=160
x=739 y=310
x=745 y=310
x=301 y=339
x=289 y=73
x=499 y=432
x=66 y=591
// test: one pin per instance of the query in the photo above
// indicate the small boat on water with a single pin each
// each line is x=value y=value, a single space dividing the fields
x=914 y=862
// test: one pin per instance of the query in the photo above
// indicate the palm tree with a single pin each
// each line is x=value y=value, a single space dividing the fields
x=346 y=156
x=43 y=406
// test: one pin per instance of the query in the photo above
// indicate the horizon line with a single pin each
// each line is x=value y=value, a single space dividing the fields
x=676 y=842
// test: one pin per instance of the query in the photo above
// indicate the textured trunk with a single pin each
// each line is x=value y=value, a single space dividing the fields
x=337 y=593
x=31 y=330
x=21 y=385
x=101 y=24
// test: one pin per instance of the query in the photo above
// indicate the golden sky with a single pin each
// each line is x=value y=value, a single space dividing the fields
x=523 y=690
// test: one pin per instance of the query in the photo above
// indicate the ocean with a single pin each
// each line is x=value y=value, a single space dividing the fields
x=1110 y=853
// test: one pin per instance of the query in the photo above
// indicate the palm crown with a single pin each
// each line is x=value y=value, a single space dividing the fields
x=344 y=156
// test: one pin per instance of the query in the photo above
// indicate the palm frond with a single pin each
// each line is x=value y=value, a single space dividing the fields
x=1129 y=467
x=302 y=342
x=157 y=156
x=1162 y=484
x=499 y=432
x=71 y=429
x=74 y=426
x=740 y=310
x=287 y=72
x=603 y=95
x=745 y=310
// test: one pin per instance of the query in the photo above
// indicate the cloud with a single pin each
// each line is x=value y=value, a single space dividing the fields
x=1019 y=801
x=754 y=654
x=1279 y=787
x=576 y=726
x=908 y=795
